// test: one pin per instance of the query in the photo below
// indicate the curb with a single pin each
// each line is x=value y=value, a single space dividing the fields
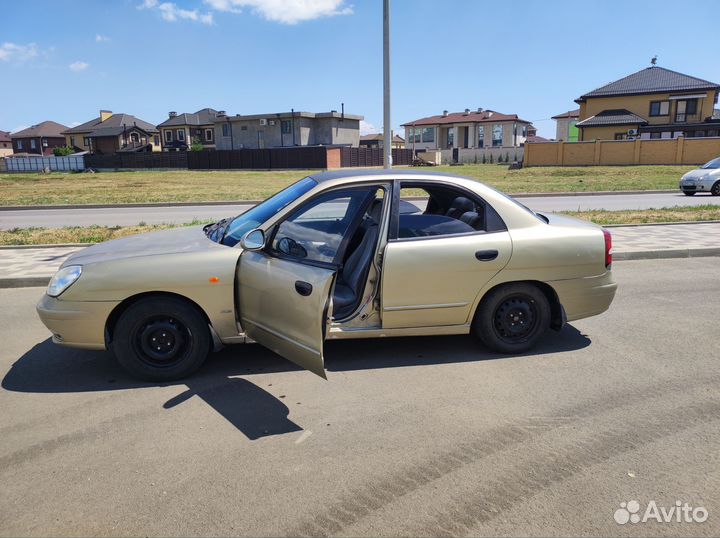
x=254 y=202
x=37 y=281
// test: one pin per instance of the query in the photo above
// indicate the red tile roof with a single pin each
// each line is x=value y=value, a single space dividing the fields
x=486 y=116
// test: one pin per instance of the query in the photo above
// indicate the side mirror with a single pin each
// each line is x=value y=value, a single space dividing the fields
x=253 y=240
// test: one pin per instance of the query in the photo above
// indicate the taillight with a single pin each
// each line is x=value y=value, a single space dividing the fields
x=608 y=248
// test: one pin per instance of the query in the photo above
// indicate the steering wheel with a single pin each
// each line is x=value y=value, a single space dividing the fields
x=289 y=246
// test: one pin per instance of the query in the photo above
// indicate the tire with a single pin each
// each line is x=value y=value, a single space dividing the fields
x=689 y=193
x=512 y=318
x=715 y=190
x=161 y=339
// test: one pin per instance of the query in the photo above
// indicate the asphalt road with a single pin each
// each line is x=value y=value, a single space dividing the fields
x=409 y=437
x=120 y=216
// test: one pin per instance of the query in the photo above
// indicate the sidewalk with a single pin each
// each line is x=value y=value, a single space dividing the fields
x=34 y=266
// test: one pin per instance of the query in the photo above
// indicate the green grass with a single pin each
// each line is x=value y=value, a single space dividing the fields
x=196 y=186
x=97 y=234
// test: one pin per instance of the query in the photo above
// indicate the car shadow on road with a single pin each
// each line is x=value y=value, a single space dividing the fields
x=47 y=368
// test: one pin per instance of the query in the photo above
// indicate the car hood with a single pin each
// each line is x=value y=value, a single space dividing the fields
x=174 y=241
x=701 y=173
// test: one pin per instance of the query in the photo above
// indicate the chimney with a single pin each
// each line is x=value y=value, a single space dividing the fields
x=172 y=114
x=445 y=113
x=479 y=109
x=467 y=111
x=221 y=113
x=105 y=114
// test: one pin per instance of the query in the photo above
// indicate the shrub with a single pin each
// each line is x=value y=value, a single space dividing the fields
x=63 y=151
x=196 y=145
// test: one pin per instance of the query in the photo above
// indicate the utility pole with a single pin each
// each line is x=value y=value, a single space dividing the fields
x=387 y=123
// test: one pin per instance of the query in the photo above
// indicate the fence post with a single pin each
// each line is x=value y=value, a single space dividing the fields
x=636 y=151
x=598 y=150
x=561 y=153
x=679 y=149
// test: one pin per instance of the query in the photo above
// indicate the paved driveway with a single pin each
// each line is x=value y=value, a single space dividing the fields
x=409 y=437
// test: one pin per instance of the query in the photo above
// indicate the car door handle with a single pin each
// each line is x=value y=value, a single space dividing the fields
x=303 y=288
x=486 y=255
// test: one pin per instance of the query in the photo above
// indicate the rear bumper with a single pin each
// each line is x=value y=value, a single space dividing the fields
x=585 y=297
x=75 y=323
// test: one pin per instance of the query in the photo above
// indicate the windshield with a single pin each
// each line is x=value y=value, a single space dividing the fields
x=254 y=217
x=715 y=163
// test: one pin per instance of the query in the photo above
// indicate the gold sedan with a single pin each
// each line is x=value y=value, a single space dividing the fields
x=358 y=254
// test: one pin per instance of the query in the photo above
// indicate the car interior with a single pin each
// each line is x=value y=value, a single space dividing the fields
x=448 y=211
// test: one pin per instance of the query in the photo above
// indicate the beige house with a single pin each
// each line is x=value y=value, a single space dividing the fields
x=651 y=103
x=113 y=133
x=566 y=126
x=469 y=129
x=180 y=131
x=5 y=144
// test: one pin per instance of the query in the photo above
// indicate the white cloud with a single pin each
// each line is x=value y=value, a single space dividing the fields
x=100 y=38
x=78 y=66
x=75 y=124
x=367 y=128
x=171 y=12
x=285 y=11
x=18 y=53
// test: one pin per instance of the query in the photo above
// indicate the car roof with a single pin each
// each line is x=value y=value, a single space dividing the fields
x=378 y=173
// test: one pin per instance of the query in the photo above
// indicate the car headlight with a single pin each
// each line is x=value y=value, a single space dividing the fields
x=63 y=279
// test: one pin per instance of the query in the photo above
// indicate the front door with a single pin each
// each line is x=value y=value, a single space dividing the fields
x=284 y=290
x=284 y=306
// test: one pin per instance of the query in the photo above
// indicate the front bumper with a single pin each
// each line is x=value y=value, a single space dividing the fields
x=697 y=185
x=76 y=323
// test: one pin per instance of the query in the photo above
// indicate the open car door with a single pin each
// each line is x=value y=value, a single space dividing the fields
x=284 y=288
x=284 y=305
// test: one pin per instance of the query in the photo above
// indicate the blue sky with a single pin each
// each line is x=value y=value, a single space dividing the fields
x=65 y=61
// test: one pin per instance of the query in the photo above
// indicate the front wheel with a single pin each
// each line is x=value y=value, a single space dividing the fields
x=512 y=318
x=161 y=339
x=689 y=193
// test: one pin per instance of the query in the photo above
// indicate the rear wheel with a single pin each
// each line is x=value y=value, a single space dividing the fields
x=689 y=193
x=512 y=318
x=715 y=190
x=161 y=339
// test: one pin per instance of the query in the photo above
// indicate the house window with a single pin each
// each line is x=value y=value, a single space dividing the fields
x=450 y=137
x=497 y=135
x=481 y=136
x=286 y=127
x=32 y=143
x=72 y=141
x=86 y=141
x=156 y=140
x=243 y=127
x=168 y=136
x=226 y=129
x=655 y=135
x=208 y=135
x=685 y=108
x=525 y=131
x=659 y=108
x=181 y=135
x=19 y=144
x=428 y=134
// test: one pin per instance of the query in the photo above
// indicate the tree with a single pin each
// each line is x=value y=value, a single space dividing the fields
x=484 y=161
x=491 y=158
x=507 y=157
x=196 y=145
x=63 y=151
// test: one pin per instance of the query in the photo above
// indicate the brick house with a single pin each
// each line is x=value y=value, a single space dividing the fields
x=112 y=133
x=179 y=131
x=39 y=139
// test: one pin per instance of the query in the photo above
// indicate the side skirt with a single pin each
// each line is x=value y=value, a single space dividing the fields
x=338 y=333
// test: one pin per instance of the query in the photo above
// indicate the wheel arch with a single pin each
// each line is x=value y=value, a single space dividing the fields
x=129 y=301
x=557 y=312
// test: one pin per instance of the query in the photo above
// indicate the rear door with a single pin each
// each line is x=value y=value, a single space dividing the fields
x=284 y=290
x=439 y=257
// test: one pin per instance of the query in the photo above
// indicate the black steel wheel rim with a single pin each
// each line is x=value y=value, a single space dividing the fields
x=162 y=341
x=515 y=318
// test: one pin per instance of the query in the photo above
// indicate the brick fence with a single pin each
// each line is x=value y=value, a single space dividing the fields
x=622 y=152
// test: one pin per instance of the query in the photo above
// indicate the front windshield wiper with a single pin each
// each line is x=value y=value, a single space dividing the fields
x=216 y=231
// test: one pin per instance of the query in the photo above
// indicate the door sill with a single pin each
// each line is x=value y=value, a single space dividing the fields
x=339 y=333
